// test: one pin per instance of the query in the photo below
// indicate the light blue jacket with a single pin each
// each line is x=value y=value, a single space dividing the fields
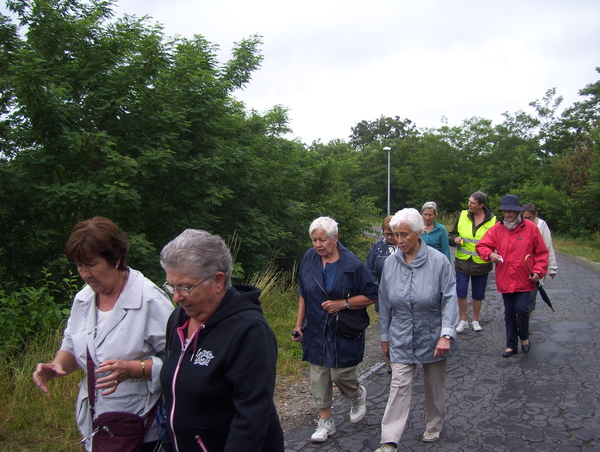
x=417 y=306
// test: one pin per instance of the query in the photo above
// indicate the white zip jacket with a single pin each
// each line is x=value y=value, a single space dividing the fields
x=135 y=329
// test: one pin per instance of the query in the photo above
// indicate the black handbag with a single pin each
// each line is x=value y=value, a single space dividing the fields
x=350 y=326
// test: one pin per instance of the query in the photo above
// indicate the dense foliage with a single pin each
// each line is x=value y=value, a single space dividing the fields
x=104 y=115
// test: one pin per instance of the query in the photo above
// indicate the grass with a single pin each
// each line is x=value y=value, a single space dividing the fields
x=587 y=248
x=30 y=421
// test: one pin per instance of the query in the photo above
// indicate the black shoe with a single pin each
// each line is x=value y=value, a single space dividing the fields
x=509 y=352
x=526 y=347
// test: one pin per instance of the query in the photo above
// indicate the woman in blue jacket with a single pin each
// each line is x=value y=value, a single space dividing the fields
x=332 y=279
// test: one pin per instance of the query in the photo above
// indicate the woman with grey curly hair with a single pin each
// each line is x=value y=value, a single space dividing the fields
x=218 y=390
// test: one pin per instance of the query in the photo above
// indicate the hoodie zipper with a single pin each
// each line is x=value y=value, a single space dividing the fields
x=184 y=348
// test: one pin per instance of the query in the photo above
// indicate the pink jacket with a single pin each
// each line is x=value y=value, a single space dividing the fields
x=512 y=274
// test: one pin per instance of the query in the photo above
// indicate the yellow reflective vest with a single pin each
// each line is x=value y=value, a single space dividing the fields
x=464 y=229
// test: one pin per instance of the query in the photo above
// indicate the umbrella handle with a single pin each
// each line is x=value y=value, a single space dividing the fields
x=527 y=259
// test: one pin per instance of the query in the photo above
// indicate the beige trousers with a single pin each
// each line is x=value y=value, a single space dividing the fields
x=322 y=379
x=398 y=405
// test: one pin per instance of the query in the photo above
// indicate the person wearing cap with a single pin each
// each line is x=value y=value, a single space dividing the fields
x=470 y=227
x=506 y=244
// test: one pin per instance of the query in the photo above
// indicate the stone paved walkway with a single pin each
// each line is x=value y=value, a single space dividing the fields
x=548 y=400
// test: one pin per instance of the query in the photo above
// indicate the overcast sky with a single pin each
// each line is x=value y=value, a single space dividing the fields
x=334 y=63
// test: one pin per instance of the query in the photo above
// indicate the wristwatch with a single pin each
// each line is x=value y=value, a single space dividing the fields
x=447 y=336
x=347 y=304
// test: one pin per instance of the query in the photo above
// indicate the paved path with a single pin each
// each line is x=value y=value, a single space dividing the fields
x=548 y=400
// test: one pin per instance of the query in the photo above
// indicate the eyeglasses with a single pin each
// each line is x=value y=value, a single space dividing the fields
x=390 y=234
x=183 y=291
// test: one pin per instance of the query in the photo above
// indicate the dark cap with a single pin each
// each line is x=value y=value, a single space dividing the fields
x=511 y=202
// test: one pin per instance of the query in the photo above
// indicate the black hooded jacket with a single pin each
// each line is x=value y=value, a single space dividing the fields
x=219 y=390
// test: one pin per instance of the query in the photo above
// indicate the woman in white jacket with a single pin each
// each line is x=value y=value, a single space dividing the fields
x=530 y=213
x=120 y=316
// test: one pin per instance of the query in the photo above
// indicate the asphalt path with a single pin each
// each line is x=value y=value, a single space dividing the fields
x=547 y=400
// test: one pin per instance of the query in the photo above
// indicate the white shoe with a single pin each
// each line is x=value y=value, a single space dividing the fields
x=476 y=326
x=430 y=437
x=325 y=428
x=358 y=409
x=387 y=447
x=461 y=326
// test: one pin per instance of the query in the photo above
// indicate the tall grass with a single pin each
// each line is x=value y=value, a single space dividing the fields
x=280 y=306
x=30 y=421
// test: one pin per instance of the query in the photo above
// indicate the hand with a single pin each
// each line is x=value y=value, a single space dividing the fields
x=119 y=370
x=44 y=372
x=442 y=347
x=495 y=258
x=458 y=240
x=333 y=306
x=298 y=330
x=385 y=348
x=535 y=277
x=552 y=275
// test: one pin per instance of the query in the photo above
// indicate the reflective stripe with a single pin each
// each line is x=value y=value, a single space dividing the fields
x=464 y=251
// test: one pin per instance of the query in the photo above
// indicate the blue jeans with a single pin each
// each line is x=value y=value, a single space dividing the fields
x=516 y=318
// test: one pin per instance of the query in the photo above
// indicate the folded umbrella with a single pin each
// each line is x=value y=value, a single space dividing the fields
x=540 y=288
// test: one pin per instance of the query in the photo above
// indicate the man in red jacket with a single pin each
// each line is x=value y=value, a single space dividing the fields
x=506 y=244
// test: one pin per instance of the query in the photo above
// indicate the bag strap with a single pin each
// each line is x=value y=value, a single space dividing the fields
x=91 y=382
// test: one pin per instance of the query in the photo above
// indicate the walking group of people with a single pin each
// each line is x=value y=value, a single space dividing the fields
x=201 y=376
x=421 y=300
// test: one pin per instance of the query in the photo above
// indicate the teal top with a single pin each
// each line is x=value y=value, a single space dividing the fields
x=437 y=238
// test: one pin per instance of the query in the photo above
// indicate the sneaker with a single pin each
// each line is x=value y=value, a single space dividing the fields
x=358 y=409
x=461 y=326
x=431 y=437
x=325 y=428
x=387 y=447
x=476 y=326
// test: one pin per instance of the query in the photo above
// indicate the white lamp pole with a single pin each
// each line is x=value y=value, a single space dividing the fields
x=388 y=149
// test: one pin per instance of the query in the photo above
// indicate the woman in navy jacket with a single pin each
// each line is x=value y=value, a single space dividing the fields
x=332 y=279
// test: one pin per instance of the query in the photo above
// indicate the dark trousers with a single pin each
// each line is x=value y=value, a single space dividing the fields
x=516 y=318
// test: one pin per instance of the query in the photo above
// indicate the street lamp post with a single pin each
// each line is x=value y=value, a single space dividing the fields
x=388 y=149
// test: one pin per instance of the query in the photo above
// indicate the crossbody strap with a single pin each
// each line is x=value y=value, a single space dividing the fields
x=91 y=382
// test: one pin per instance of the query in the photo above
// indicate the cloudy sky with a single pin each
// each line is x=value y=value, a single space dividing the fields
x=333 y=63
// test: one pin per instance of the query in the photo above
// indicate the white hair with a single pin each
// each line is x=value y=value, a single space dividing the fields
x=411 y=218
x=329 y=225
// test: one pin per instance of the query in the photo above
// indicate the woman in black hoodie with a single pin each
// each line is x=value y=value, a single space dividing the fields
x=218 y=375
